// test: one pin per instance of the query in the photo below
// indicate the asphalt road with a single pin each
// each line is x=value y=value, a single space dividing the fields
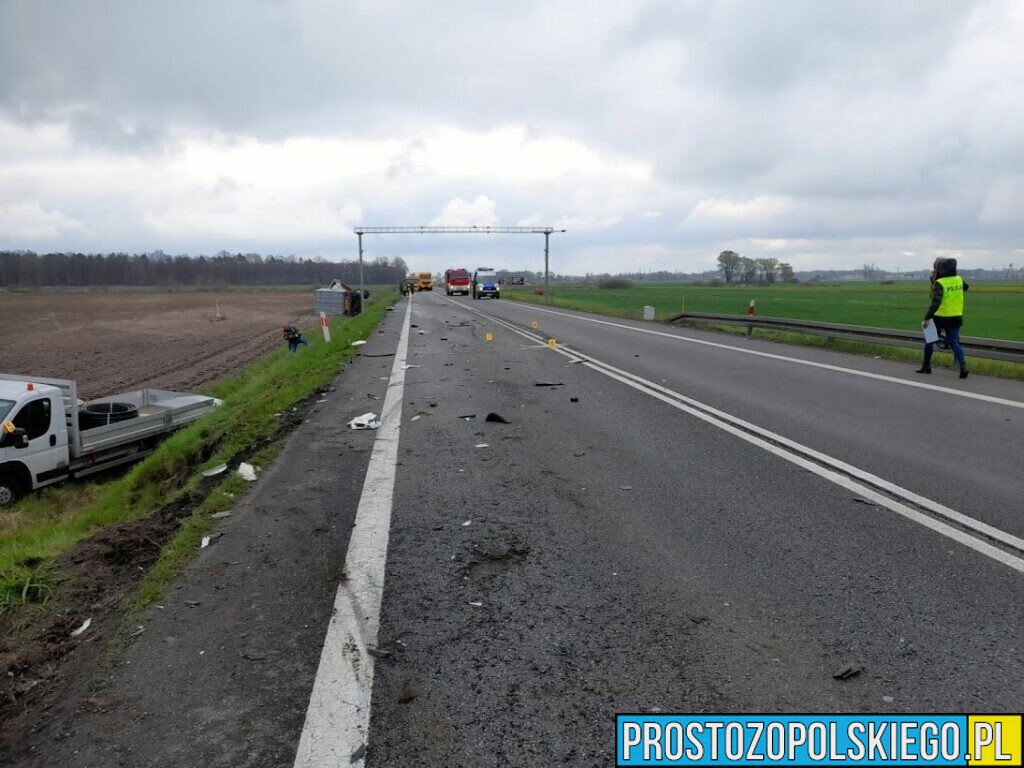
x=603 y=552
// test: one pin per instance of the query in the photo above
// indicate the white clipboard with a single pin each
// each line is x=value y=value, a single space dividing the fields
x=931 y=333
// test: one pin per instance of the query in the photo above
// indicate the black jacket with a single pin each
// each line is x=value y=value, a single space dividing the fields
x=943 y=268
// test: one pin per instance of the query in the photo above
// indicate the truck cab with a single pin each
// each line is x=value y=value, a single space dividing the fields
x=33 y=438
x=456 y=281
x=426 y=281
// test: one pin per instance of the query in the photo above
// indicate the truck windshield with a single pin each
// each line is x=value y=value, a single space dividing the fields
x=5 y=408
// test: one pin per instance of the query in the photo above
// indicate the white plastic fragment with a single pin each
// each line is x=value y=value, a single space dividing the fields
x=247 y=472
x=416 y=417
x=358 y=343
x=81 y=629
x=205 y=542
x=468 y=522
x=407 y=367
x=476 y=605
x=482 y=445
x=368 y=420
x=213 y=471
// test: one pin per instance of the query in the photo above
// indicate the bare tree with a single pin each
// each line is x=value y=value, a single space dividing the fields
x=748 y=270
x=768 y=268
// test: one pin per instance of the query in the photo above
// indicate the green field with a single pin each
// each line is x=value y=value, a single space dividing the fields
x=993 y=310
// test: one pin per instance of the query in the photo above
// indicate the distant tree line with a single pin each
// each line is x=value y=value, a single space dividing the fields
x=25 y=269
x=740 y=269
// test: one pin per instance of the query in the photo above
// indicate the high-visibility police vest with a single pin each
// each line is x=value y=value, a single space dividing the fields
x=952 y=297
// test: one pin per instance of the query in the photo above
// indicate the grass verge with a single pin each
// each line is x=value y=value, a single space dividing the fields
x=999 y=368
x=257 y=403
x=994 y=310
x=941 y=359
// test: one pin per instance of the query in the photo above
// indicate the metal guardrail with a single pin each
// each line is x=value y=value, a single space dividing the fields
x=995 y=349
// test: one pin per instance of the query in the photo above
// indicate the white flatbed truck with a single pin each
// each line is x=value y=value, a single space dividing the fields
x=48 y=435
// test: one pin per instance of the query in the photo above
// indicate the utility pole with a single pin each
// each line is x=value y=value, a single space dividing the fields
x=360 y=265
x=547 y=291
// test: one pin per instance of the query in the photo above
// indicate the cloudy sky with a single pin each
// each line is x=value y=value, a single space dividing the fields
x=825 y=133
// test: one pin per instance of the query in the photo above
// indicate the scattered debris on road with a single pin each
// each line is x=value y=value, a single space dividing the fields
x=214 y=471
x=549 y=384
x=496 y=418
x=574 y=399
x=368 y=420
x=468 y=416
x=220 y=515
x=468 y=522
x=625 y=487
x=247 y=472
x=476 y=605
x=482 y=445
x=846 y=672
x=81 y=629
x=358 y=343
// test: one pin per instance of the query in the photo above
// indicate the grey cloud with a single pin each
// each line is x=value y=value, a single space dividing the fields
x=853 y=110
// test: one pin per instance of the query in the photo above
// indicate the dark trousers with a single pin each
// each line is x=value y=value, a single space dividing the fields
x=293 y=344
x=953 y=340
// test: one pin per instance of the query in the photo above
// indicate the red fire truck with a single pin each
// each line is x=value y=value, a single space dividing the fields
x=456 y=281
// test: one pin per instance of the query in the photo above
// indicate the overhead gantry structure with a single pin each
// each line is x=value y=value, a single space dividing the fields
x=546 y=231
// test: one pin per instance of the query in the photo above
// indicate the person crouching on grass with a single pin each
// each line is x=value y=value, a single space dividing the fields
x=947 y=310
x=294 y=337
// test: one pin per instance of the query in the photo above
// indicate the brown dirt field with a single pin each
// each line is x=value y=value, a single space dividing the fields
x=112 y=341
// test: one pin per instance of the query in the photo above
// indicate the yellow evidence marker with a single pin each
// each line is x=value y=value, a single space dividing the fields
x=535 y=325
x=488 y=336
x=552 y=343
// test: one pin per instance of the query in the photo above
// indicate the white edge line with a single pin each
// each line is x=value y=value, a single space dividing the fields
x=722 y=421
x=526 y=306
x=338 y=717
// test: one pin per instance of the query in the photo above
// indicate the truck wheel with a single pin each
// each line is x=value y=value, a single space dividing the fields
x=10 y=490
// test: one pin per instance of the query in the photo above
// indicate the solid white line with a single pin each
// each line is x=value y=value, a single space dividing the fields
x=743 y=429
x=526 y=306
x=338 y=717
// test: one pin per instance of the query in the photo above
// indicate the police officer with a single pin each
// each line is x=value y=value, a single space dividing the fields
x=947 y=310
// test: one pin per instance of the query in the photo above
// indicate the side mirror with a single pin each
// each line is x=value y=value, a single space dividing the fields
x=15 y=437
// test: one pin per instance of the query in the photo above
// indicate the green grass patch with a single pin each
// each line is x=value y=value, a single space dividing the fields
x=46 y=524
x=186 y=542
x=993 y=310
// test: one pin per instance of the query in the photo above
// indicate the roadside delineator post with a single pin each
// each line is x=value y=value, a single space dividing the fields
x=750 y=312
x=325 y=327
